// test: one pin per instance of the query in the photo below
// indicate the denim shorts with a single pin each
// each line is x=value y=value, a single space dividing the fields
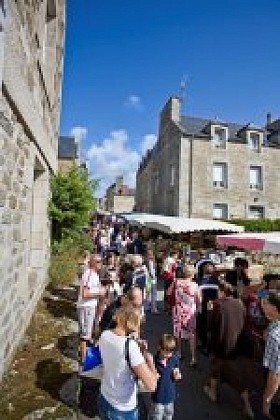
x=108 y=412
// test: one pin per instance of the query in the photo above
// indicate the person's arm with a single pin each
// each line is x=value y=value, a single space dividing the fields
x=272 y=385
x=147 y=373
x=99 y=291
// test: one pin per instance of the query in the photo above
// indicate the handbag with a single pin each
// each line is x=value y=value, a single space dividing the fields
x=172 y=295
x=92 y=358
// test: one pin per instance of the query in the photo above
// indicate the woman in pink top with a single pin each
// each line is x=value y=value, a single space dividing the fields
x=187 y=300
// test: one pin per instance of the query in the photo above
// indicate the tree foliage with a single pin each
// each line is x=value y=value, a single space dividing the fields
x=258 y=225
x=72 y=201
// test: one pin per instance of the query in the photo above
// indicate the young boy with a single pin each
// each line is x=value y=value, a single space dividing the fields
x=167 y=365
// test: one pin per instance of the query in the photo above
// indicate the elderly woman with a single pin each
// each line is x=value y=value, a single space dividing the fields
x=118 y=397
x=137 y=277
x=187 y=298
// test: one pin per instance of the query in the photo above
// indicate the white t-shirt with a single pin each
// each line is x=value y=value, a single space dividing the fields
x=118 y=385
x=90 y=280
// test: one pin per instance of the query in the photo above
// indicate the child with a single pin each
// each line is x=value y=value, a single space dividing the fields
x=167 y=365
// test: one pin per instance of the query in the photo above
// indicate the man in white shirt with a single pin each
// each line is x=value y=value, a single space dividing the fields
x=90 y=291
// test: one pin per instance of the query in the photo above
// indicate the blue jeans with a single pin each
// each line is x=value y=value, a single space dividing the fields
x=107 y=412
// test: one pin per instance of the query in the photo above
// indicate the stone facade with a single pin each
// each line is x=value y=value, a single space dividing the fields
x=119 y=197
x=31 y=62
x=176 y=176
x=68 y=153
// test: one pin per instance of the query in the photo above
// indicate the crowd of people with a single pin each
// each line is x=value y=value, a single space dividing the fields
x=236 y=325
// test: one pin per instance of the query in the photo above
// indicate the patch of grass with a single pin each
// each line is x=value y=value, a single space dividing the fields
x=64 y=263
x=36 y=375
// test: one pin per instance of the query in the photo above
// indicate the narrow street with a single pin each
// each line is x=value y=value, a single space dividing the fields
x=191 y=403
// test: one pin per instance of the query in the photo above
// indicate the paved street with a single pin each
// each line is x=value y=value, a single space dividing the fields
x=191 y=403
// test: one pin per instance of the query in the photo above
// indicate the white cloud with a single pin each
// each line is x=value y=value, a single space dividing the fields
x=134 y=102
x=79 y=133
x=148 y=142
x=113 y=156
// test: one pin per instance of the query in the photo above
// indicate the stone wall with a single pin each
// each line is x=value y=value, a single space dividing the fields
x=238 y=194
x=123 y=203
x=192 y=193
x=29 y=117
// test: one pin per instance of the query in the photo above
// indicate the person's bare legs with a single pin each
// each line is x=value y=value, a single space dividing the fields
x=82 y=349
x=211 y=390
x=247 y=406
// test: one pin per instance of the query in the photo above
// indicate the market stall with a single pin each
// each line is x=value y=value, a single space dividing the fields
x=174 y=224
x=265 y=242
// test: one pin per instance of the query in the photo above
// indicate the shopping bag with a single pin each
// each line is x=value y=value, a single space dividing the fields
x=92 y=358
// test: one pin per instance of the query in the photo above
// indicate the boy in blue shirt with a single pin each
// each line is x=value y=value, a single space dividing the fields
x=167 y=365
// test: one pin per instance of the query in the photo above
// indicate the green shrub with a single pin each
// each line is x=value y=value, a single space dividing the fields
x=258 y=225
x=65 y=258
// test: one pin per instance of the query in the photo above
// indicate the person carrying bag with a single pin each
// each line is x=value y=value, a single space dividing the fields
x=123 y=365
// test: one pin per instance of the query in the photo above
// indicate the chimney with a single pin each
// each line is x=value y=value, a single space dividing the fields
x=171 y=110
x=268 y=118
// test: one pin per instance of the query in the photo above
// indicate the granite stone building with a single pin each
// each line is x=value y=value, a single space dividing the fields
x=31 y=63
x=210 y=168
x=119 y=197
x=68 y=153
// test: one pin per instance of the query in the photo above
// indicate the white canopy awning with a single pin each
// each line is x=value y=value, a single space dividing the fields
x=173 y=224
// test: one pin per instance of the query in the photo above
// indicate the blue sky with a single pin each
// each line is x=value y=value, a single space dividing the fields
x=124 y=58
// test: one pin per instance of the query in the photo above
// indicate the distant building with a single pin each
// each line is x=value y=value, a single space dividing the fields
x=119 y=197
x=68 y=155
x=31 y=69
x=211 y=168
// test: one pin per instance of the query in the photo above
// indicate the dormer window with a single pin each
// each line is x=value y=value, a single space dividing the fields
x=254 y=141
x=219 y=136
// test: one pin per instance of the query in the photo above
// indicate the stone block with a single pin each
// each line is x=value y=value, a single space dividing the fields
x=3 y=307
x=19 y=261
x=3 y=196
x=6 y=124
x=12 y=202
x=22 y=205
x=16 y=235
x=17 y=217
x=16 y=187
x=7 y=217
x=6 y=319
x=7 y=180
x=32 y=279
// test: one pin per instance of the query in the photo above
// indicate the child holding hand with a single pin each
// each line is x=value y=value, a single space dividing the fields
x=167 y=365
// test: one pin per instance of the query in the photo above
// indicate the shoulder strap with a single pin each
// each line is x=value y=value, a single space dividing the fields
x=127 y=356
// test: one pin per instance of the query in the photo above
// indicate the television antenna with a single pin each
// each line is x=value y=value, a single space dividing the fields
x=183 y=88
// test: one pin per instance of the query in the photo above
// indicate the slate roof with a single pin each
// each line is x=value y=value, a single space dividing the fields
x=67 y=148
x=196 y=126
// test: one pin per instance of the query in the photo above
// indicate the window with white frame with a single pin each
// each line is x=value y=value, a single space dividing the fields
x=220 y=174
x=172 y=175
x=256 y=181
x=256 y=212
x=220 y=211
x=254 y=141
x=219 y=137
